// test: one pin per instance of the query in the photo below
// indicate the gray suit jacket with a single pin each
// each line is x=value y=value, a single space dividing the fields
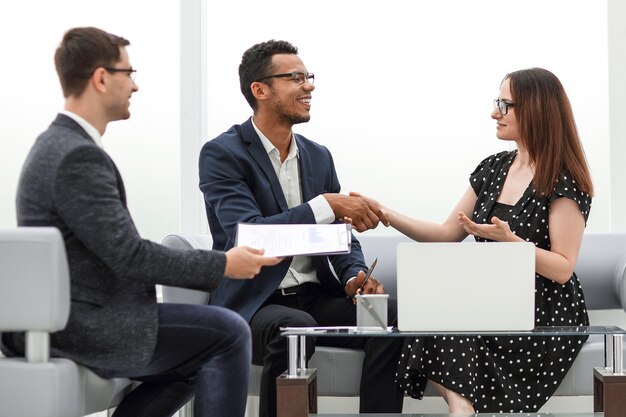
x=70 y=183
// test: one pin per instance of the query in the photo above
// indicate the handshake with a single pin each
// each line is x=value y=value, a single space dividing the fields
x=362 y=212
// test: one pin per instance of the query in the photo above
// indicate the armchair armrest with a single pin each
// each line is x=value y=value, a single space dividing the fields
x=620 y=280
x=186 y=295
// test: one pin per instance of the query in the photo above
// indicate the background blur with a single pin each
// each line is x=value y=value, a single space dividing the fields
x=403 y=94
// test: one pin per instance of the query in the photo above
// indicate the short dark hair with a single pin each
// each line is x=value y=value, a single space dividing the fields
x=81 y=51
x=256 y=63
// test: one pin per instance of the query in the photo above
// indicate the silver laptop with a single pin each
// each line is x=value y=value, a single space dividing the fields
x=466 y=286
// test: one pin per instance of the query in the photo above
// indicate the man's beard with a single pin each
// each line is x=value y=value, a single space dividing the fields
x=295 y=118
x=292 y=118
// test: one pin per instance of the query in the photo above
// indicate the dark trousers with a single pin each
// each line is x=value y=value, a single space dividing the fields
x=201 y=350
x=378 y=391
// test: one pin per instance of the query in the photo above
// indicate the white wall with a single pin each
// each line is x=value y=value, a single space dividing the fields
x=404 y=89
x=146 y=147
x=617 y=109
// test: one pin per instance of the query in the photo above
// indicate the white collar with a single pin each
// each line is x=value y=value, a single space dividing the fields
x=91 y=131
x=269 y=146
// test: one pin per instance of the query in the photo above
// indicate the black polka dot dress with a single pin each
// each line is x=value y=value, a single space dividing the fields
x=504 y=373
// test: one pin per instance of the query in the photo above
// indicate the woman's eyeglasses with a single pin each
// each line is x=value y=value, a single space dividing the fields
x=502 y=106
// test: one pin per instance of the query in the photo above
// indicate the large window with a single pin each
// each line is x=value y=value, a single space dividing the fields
x=145 y=147
x=404 y=89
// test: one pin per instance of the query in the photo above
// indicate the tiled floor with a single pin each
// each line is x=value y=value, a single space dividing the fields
x=434 y=406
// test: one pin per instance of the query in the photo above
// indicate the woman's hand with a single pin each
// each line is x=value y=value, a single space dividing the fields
x=498 y=230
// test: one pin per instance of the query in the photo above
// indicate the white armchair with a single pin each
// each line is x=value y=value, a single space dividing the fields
x=35 y=298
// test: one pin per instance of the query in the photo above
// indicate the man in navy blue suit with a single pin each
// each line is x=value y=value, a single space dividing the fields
x=262 y=172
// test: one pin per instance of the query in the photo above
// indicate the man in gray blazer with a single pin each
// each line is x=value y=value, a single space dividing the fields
x=116 y=326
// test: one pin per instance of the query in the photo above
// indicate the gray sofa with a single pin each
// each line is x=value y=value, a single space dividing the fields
x=601 y=268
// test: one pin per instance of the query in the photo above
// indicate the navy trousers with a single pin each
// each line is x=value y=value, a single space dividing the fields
x=202 y=351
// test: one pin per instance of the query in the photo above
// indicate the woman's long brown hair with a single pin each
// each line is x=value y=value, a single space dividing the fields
x=548 y=130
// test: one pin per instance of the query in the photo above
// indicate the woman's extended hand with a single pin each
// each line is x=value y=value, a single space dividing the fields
x=498 y=230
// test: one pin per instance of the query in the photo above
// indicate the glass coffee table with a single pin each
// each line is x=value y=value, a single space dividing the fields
x=297 y=386
x=474 y=415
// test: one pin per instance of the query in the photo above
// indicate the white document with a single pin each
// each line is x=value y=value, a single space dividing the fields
x=296 y=239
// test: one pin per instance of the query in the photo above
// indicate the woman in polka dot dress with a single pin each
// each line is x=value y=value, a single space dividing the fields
x=539 y=193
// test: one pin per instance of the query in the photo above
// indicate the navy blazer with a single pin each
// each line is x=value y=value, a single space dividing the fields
x=240 y=186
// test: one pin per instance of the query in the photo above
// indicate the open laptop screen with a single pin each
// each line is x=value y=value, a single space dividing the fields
x=466 y=286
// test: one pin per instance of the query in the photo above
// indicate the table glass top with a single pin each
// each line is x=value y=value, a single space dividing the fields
x=349 y=331
x=588 y=414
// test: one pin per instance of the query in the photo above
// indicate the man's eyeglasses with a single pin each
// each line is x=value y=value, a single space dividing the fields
x=131 y=72
x=295 y=76
x=502 y=106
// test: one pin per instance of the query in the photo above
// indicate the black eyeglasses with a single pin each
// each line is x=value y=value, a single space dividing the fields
x=502 y=106
x=131 y=72
x=295 y=76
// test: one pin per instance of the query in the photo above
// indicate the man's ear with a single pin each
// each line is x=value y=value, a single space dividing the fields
x=260 y=91
x=99 y=79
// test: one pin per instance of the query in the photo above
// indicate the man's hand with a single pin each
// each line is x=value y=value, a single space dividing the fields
x=244 y=262
x=375 y=206
x=364 y=216
x=372 y=286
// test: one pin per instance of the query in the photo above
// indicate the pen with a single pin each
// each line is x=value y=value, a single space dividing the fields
x=367 y=276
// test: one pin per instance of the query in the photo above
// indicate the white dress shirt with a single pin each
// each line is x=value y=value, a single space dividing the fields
x=301 y=269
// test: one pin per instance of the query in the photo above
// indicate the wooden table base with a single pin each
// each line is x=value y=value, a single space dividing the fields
x=609 y=393
x=296 y=396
